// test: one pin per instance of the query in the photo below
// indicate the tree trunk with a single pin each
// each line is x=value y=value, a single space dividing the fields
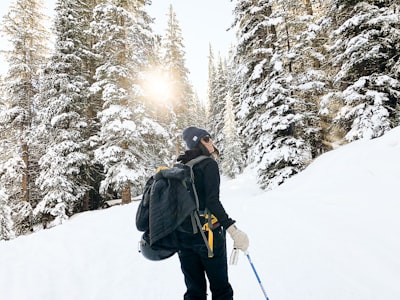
x=85 y=202
x=126 y=194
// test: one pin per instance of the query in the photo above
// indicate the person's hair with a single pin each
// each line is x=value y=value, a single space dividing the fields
x=205 y=151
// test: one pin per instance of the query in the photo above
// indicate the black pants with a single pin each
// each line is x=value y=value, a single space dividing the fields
x=196 y=264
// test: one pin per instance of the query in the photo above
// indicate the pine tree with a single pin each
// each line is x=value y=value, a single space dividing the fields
x=6 y=223
x=61 y=104
x=279 y=121
x=232 y=160
x=11 y=166
x=365 y=46
x=211 y=83
x=182 y=96
x=23 y=25
x=124 y=45
x=92 y=105
x=300 y=44
x=217 y=103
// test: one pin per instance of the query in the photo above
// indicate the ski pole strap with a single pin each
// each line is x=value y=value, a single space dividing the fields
x=255 y=273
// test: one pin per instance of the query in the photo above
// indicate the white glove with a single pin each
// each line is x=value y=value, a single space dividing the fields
x=240 y=239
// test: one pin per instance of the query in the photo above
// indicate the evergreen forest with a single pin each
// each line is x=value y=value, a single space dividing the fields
x=85 y=116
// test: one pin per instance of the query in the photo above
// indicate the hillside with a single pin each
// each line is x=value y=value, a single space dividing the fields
x=330 y=232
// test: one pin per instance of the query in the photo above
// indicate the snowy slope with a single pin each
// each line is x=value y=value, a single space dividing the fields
x=331 y=232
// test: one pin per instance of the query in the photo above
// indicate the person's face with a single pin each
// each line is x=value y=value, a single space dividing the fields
x=208 y=143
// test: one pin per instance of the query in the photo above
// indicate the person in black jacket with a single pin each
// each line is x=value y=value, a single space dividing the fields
x=193 y=252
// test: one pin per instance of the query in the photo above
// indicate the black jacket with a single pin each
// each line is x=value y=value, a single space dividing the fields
x=162 y=215
x=207 y=182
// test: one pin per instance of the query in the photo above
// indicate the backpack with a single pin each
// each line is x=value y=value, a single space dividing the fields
x=169 y=198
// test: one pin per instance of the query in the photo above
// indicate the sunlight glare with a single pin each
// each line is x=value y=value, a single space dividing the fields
x=157 y=86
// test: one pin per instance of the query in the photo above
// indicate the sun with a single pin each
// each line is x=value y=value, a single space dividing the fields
x=157 y=86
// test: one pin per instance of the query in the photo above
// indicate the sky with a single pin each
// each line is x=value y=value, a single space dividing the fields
x=202 y=23
x=330 y=232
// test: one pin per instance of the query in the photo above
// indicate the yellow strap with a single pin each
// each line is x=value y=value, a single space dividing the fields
x=213 y=218
x=206 y=227
x=211 y=240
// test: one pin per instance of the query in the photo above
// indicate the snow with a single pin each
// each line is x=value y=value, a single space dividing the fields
x=330 y=232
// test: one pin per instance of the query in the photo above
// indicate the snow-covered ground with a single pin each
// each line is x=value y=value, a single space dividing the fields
x=331 y=232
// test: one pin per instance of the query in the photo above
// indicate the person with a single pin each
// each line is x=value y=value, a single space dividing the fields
x=193 y=253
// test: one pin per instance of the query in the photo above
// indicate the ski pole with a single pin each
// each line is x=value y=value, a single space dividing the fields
x=255 y=273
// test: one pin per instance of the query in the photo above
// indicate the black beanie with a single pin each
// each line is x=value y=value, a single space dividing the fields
x=192 y=136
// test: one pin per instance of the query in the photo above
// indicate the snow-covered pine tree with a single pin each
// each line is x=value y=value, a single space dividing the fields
x=92 y=104
x=301 y=43
x=124 y=44
x=255 y=36
x=11 y=168
x=64 y=93
x=211 y=83
x=217 y=104
x=182 y=95
x=278 y=121
x=365 y=40
x=6 y=223
x=156 y=137
x=234 y=90
x=232 y=156
x=23 y=25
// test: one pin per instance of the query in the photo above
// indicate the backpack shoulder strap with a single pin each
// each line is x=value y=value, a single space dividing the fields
x=190 y=164
x=196 y=160
x=195 y=216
